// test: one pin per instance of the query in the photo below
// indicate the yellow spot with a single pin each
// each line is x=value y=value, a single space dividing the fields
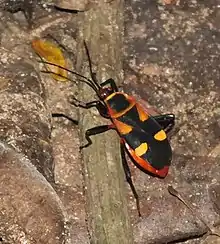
x=142 y=149
x=110 y=96
x=160 y=135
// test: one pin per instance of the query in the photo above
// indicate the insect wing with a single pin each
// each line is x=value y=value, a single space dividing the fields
x=146 y=141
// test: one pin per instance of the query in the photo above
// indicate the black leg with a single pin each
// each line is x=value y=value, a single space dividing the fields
x=99 y=105
x=94 y=131
x=58 y=115
x=128 y=177
x=167 y=121
x=82 y=104
x=110 y=82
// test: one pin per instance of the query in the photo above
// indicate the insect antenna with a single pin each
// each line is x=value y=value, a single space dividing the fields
x=93 y=83
x=93 y=74
x=62 y=76
x=86 y=80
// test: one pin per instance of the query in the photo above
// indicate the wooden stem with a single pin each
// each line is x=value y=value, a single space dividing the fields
x=107 y=209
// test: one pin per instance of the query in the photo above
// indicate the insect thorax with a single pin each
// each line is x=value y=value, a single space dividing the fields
x=119 y=102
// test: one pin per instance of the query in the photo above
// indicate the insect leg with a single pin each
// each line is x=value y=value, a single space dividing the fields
x=99 y=105
x=82 y=104
x=167 y=121
x=128 y=177
x=110 y=82
x=94 y=131
x=58 y=115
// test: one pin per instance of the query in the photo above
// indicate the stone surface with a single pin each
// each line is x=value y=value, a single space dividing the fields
x=171 y=65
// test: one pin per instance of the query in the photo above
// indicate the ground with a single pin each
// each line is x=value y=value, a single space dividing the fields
x=171 y=65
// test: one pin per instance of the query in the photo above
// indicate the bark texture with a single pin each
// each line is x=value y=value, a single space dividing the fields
x=104 y=177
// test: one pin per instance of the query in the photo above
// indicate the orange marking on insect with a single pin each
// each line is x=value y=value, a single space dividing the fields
x=122 y=127
x=160 y=135
x=142 y=149
x=142 y=114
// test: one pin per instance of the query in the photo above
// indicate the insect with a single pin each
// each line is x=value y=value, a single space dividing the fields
x=142 y=136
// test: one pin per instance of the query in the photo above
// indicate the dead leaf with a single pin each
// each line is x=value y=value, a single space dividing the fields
x=49 y=52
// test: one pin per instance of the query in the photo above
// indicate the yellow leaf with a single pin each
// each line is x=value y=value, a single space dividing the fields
x=53 y=54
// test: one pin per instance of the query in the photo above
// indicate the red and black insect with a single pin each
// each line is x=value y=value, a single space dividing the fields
x=142 y=136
